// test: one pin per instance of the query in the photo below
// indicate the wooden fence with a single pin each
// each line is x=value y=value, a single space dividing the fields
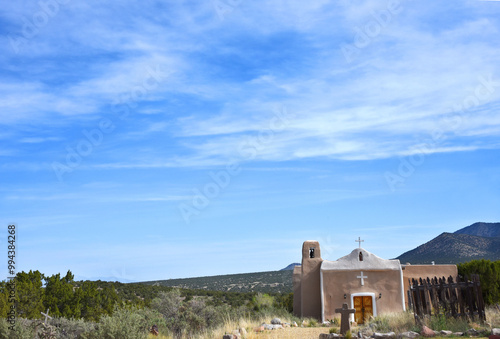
x=444 y=296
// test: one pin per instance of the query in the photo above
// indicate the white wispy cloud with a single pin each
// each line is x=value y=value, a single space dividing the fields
x=398 y=89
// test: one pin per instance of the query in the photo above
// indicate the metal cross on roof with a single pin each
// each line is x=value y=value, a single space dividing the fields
x=46 y=316
x=360 y=241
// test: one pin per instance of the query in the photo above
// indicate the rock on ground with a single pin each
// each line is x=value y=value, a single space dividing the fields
x=276 y=321
x=272 y=327
x=472 y=332
x=259 y=329
x=427 y=332
x=389 y=335
x=409 y=335
x=231 y=336
x=329 y=336
x=243 y=332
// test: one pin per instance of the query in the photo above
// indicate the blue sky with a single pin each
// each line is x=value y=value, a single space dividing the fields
x=155 y=140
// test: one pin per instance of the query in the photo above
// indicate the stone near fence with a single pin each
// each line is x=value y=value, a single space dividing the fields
x=495 y=331
x=458 y=334
x=472 y=332
x=276 y=321
x=285 y=325
x=445 y=333
x=427 y=332
x=294 y=324
x=330 y=336
x=409 y=335
x=384 y=335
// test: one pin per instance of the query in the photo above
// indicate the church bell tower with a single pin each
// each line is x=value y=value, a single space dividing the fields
x=310 y=280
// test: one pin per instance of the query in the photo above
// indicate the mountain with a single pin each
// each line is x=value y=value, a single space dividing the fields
x=482 y=229
x=265 y=282
x=290 y=267
x=477 y=241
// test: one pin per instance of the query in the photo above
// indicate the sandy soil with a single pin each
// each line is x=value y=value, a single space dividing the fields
x=291 y=332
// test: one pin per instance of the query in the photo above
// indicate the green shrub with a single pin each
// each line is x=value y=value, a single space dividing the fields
x=262 y=302
x=396 y=322
x=24 y=329
x=127 y=324
x=489 y=275
x=72 y=329
x=380 y=324
x=312 y=322
x=168 y=303
x=441 y=322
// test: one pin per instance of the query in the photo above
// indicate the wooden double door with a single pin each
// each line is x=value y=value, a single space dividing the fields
x=364 y=308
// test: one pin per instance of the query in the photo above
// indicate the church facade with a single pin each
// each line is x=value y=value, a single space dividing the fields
x=367 y=283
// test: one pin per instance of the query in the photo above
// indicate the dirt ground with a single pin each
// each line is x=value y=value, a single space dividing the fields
x=290 y=333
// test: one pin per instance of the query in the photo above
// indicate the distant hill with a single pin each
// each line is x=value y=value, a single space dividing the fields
x=482 y=229
x=290 y=267
x=477 y=241
x=265 y=282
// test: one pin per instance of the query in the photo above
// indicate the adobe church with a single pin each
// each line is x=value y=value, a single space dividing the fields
x=367 y=283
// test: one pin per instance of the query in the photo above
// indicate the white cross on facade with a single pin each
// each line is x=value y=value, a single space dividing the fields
x=360 y=241
x=362 y=277
x=46 y=316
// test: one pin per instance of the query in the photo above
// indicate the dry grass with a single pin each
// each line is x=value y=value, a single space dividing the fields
x=290 y=333
x=493 y=316
x=230 y=325
x=395 y=322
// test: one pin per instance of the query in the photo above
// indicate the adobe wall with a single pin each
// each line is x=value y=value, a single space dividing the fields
x=297 y=296
x=424 y=271
x=310 y=282
x=386 y=282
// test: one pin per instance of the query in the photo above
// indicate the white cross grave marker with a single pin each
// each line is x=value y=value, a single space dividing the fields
x=362 y=277
x=46 y=316
x=360 y=241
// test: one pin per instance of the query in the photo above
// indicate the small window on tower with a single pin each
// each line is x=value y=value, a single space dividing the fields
x=311 y=252
x=360 y=256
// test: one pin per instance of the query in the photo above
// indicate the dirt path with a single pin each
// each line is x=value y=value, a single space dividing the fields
x=291 y=333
